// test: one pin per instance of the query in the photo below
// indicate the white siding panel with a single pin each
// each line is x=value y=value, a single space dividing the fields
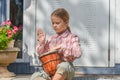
x=112 y=34
x=29 y=30
x=117 y=32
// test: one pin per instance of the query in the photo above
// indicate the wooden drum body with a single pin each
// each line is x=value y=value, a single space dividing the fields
x=50 y=60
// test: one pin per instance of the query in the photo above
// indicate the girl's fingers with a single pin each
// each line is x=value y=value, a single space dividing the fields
x=44 y=35
x=39 y=31
x=41 y=36
x=70 y=58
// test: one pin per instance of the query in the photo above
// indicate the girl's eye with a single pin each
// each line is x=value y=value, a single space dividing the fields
x=57 y=22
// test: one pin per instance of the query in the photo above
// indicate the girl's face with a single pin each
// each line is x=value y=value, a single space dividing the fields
x=58 y=24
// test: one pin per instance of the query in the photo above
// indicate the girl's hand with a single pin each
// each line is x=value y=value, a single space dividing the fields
x=56 y=48
x=70 y=58
x=41 y=36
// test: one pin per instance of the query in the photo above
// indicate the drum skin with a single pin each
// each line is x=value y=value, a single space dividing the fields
x=50 y=60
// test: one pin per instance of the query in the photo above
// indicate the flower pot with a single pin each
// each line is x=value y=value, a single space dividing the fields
x=7 y=57
x=11 y=44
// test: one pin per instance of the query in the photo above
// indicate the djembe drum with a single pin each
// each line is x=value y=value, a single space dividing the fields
x=50 y=60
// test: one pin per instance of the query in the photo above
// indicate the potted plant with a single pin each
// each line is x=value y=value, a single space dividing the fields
x=7 y=33
x=7 y=55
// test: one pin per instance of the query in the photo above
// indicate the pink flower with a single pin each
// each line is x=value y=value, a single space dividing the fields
x=15 y=28
x=3 y=23
x=8 y=22
x=9 y=32
x=14 y=31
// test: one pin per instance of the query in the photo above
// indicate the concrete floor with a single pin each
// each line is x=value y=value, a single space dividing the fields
x=77 y=77
x=18 y=77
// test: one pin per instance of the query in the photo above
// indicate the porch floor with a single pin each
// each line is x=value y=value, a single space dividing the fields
x=77 y=77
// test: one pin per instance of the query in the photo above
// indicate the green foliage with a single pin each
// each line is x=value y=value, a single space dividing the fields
x=7 y=33
x=4 y=40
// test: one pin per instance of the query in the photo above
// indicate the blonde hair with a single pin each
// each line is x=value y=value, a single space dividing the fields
x=63 y=14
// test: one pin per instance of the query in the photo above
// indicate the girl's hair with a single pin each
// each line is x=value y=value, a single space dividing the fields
x=63 y=14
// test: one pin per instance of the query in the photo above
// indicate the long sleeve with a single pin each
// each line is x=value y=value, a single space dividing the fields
x=72 y=47
x=76 y=49
x=69 y=43
x=40 y=49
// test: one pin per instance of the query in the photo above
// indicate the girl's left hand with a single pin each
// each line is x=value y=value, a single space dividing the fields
x=41 y=36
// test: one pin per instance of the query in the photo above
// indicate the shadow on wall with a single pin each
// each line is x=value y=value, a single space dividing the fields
x=27 y=5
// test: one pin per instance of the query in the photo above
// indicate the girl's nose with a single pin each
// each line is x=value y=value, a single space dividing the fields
x=54 y=25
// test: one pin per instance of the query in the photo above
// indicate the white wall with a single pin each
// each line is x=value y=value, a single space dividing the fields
x=29 y=30
x=92 y=20
x=89 y=19
x=117 y=32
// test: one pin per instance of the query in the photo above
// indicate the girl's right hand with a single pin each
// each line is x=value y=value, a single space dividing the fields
x=41 y=36
x=56 y=48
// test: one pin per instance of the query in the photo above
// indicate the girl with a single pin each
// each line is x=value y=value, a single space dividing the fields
x=64 y=41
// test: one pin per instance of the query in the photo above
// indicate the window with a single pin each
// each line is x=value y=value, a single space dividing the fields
x=16 y=16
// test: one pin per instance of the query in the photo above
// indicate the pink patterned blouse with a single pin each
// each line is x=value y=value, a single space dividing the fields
x=68 y=41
